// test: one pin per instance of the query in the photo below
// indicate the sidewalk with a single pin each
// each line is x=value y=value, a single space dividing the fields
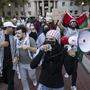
x=86 y=62
x=83 y=81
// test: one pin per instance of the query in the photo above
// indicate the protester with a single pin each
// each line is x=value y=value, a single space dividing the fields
x=7 y=52
x=33 y=32
x=51 y=77
x=26 y=47
x=71 y=61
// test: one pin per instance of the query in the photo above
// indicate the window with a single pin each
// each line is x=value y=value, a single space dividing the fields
x=22 y=13
x=29 y=12
x=71 y=11
x=16 y=5
x=45 y=3
x=29 y=4
x=63 y=3
x=16 y=12
x=21 y=5
x=76 y=11
x=71 y=3
x=9 y=13
x=56 y=4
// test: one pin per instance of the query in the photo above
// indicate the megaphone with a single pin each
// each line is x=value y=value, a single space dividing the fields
x=84 y=41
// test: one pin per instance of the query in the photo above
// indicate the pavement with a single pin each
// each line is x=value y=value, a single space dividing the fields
x=83 y=81
x=86 y=62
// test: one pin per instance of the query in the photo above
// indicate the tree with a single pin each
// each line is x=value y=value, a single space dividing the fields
x=79 y=2
x=20 y=3
x=2 y=4
x=85 y=2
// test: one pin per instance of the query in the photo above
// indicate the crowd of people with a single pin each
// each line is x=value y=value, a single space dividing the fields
x=43 y=43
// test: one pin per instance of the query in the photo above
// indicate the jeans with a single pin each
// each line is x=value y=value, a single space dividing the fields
x=43 y=87
x=24 y=70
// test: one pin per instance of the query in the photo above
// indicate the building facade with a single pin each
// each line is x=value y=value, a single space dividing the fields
x=69 y=5
x=41 y=7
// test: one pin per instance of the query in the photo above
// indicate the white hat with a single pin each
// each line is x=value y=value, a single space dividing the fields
x=53 y=34
x=8 y=24
x=73 y=20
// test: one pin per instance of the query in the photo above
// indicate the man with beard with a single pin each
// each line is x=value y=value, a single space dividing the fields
x=7 y=53
x=51 y=72
x=71 y=62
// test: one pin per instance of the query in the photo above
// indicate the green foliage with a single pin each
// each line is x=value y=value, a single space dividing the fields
x=3 y=2
x=84 y=25
x=79 y=2
x=19 y=2
x=6 y=2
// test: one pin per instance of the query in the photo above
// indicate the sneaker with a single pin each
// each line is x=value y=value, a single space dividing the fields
x=35 y=83
x=73 y=88
x=66 y=75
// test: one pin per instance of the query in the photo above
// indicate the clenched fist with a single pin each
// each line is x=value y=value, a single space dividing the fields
x=46 y=47
x=4 y=43
x=72 y=53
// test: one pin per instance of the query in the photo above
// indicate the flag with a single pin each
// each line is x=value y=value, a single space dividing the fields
x=84 y=24
x=88 y=23
x=66 y=19
x=82 y=21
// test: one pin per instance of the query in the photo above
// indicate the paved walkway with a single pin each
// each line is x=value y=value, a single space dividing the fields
x=83 y=81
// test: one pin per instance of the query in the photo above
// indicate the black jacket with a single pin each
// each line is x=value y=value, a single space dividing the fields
x=51 y=71
x=70 y=63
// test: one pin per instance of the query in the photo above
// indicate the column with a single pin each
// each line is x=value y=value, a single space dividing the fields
x=37 y=6
x=43 y=10
x=48 y=5
x=54 y=4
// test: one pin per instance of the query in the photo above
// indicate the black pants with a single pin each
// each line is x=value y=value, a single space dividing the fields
x=8 y=74
x=74 y=74
x=71 y=69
